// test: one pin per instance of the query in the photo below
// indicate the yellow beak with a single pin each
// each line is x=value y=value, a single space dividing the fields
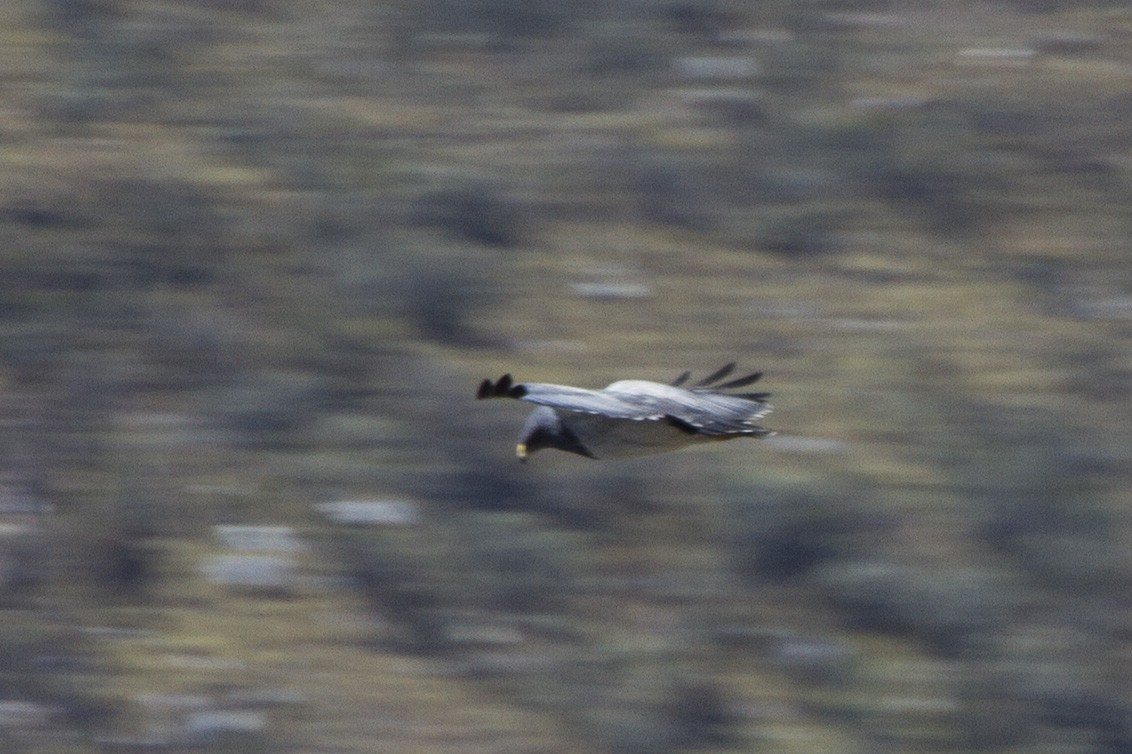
x=521 y=451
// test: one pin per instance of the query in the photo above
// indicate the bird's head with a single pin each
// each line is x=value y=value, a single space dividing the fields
x=544 y=428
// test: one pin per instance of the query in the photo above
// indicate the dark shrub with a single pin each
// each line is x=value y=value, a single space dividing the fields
x=698 y=716
x=802 y=233
x=476 y=212
x=783 y=535
x=672 y=194
x=953 y=610
x=510 y=563
x=1062 y=540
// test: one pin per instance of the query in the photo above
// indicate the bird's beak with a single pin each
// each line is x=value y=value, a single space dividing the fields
x=521 y=451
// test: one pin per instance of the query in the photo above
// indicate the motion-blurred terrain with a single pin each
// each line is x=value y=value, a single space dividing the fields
x=258 y=253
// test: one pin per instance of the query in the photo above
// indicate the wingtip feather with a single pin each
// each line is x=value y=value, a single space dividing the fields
x=504 y=387
x=717 y=375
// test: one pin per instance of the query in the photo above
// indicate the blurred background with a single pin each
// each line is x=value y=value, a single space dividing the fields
x=257 y=254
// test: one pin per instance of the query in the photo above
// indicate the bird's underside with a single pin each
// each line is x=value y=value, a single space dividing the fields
x=634 y=417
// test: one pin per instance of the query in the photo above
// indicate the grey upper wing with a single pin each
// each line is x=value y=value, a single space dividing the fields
x=585 y=401
x=699 y=410
x=567 y=398
x=714 y=414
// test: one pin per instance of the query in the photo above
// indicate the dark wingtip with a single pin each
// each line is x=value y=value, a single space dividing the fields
x=717 y=375
x=681 y=379
x=504 y=387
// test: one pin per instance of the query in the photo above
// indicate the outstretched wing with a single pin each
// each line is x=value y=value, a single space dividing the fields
x=700 y=411
x=722 y=416
x=567 y=398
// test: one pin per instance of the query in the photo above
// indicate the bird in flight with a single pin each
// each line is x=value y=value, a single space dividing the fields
x=634 y=417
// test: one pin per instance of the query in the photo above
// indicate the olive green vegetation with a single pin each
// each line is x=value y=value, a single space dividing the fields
x=257 y=255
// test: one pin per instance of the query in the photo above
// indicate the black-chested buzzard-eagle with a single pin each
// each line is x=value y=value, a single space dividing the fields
x=634 y=417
